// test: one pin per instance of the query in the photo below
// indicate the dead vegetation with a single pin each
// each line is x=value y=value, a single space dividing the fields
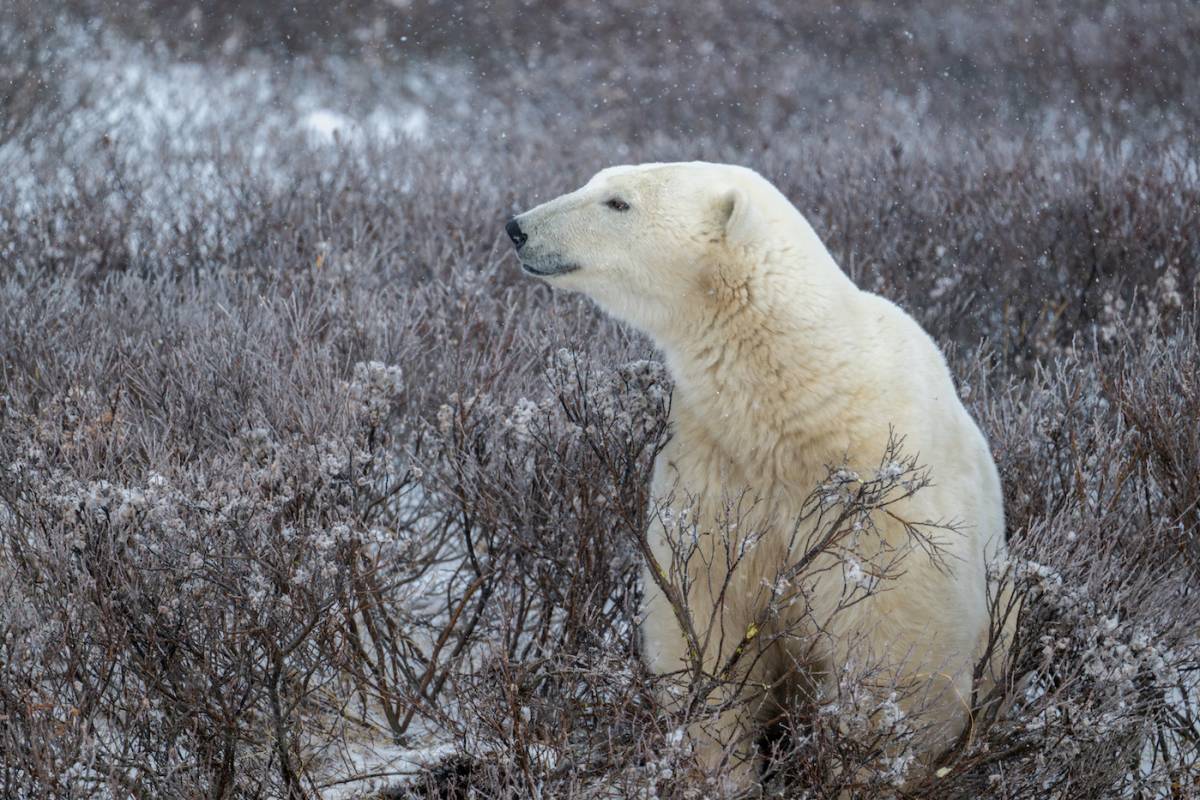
x=295 y=465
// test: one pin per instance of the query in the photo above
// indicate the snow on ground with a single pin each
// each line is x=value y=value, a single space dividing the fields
x=174 y=132
x=367 y=768
x=328 y=127
x=148 y=112
x=367 y=759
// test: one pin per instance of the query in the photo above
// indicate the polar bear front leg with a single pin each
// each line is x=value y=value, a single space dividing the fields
x=724 y=740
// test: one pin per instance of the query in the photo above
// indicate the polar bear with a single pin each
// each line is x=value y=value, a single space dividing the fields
x=782 y=369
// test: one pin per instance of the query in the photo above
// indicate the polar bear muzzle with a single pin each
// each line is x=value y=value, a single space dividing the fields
x=541 y=265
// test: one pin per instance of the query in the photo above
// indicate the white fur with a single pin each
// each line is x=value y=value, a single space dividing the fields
x=782 y=368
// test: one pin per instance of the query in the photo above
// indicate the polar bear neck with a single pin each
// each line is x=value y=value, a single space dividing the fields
x=759 y=365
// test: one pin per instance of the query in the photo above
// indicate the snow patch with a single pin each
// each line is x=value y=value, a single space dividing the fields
x=367 y=768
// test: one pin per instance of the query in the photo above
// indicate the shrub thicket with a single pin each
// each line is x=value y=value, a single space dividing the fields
x=306 y=491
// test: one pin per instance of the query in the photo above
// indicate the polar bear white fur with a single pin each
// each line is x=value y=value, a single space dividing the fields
x=783 y=368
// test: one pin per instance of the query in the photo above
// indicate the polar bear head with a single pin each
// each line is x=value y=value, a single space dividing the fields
x=648 y=242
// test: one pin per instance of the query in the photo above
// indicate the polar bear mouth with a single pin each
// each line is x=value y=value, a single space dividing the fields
x=556 y=269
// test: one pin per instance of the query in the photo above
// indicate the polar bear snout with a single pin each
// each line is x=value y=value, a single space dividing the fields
x=536 y=258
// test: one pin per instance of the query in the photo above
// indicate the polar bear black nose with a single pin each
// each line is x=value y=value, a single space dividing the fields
x=515 y=233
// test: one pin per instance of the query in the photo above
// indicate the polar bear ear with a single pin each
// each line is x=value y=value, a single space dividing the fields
x=737 y=215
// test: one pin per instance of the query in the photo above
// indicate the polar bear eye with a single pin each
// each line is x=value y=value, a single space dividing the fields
x=617 y=204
